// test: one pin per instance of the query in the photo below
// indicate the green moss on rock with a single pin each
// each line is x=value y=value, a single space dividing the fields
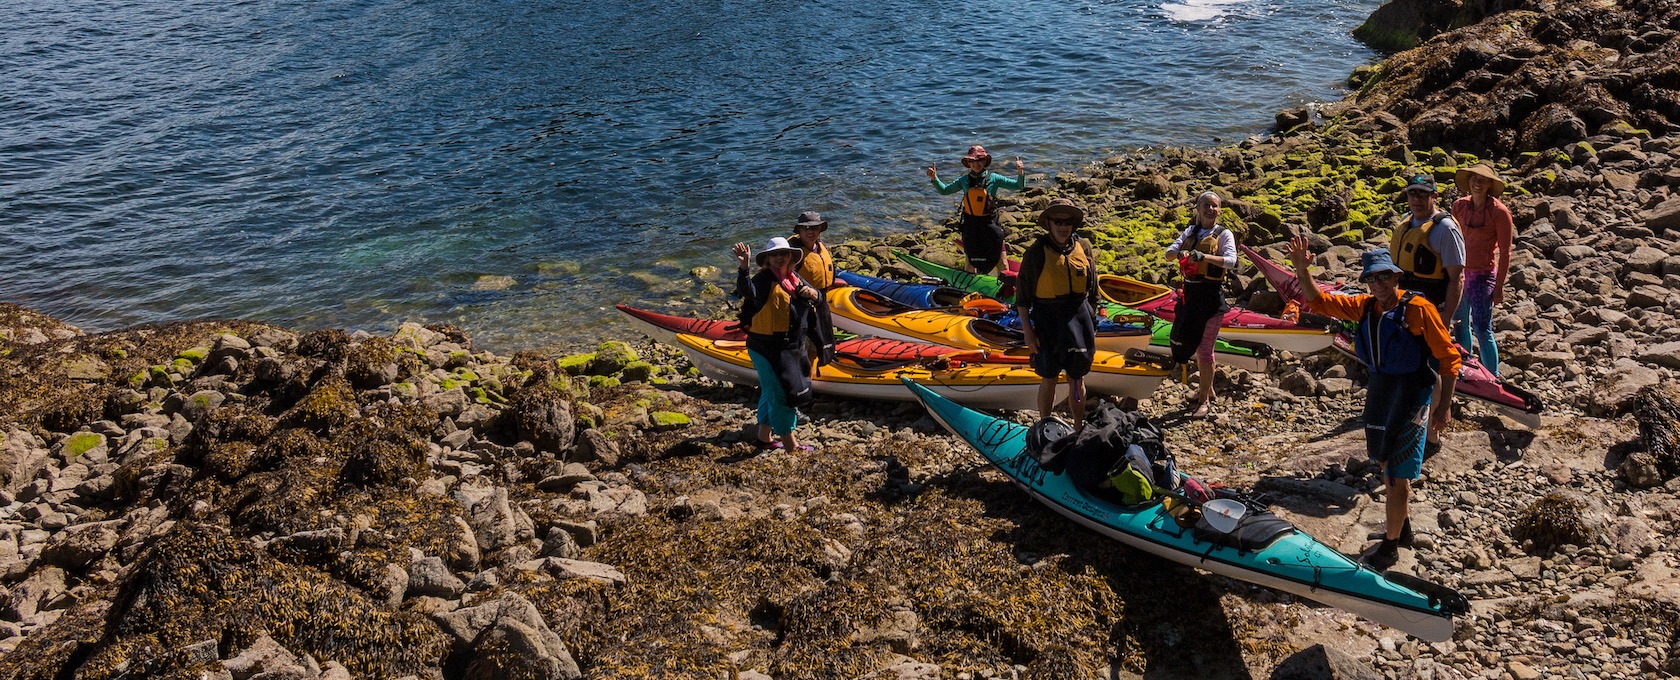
x=611 y=357
x=668 y=420
x=575 y=364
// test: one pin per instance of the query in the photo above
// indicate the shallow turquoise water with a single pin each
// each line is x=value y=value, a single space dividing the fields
x=364 y=162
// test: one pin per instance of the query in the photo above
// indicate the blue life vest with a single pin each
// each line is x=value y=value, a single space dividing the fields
x=1385 y=344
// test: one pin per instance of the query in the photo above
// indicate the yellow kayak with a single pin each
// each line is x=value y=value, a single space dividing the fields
x=859 y=311
x=993 y=386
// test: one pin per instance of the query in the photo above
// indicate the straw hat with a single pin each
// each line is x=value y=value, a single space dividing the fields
x=1462 y=179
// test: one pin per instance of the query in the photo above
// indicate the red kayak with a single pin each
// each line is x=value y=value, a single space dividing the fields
x=1474 y=379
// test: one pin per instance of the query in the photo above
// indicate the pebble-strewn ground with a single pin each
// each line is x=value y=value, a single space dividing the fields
x=231 y=499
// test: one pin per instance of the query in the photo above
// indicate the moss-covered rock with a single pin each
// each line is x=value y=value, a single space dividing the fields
x=637 y=371
x=668 y=420
x=575 y=364
x=611 y=357
x=542 y=415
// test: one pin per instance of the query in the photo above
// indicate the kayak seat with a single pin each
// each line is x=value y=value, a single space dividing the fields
x=1254 y=531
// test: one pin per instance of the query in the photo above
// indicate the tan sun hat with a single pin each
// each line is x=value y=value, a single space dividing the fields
x=1061 y=207
x=1462 y=179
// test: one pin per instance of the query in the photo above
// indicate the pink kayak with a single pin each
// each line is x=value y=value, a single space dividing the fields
x=1474 y=379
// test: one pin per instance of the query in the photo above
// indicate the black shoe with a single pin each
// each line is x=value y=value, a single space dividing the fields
x=1430 y=449
x=1405 y=539
x=1384 y=556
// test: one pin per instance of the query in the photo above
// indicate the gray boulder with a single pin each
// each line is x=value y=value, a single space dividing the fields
x=1614 y=391
x=22 y=457
x=1323 y=663
x=429 y=577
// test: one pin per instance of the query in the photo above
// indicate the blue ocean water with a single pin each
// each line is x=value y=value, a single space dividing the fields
x=515 y=167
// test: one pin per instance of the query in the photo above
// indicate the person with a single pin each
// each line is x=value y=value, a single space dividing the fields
x=1056 y=298
x=1206 y=251
x=1488 y=230
x=776 y=305
x=1429 y=249
x=816 y=267
x=1404 y=343
x=982 y=235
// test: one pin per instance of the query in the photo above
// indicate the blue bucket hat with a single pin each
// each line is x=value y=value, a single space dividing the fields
x=1376 y=260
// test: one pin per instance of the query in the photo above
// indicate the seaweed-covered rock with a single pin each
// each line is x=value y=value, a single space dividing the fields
x=1559 y=518
x=507 y=638
x=1657 y=410
x=331 y=403
x=543 y=416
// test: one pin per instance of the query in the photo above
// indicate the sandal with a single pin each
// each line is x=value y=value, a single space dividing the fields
x=767 y=446
x=806 y=447
x=1202 y=410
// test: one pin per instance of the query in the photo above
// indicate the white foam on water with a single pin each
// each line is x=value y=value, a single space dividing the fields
x=1198 y=10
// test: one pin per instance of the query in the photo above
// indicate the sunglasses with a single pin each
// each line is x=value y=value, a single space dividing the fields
x=811 y=227
x=1384 y=277
x=1063 y=221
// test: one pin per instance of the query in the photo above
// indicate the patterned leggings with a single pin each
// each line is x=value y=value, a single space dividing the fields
x=1475 y=318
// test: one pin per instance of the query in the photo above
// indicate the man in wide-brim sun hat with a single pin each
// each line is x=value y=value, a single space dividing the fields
x=1488 y=232
x=817 y=268
x=776 y=310
x=1056 y=297
x=1405 y=346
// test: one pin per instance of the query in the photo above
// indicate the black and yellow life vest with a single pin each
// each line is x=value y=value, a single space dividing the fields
x=1412 y=252
x=1208 y=246
x=817 y=267
x=1064 y=275
x=976 y=201
x=776 y=316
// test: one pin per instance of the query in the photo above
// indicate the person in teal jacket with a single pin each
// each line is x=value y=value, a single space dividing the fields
x=982 y=235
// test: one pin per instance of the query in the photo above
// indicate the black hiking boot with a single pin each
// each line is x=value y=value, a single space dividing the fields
x=1384 y=556
x=1405 y=539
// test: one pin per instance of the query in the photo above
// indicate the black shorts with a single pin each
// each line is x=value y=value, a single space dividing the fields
x=982 y=241
x=1067 y=337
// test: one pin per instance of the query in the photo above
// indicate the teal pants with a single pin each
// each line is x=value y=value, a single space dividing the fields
x=773 y=409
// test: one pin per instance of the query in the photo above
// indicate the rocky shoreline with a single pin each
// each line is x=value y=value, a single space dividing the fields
x=236 y=500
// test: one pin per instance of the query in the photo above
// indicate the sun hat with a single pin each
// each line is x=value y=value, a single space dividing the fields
x=1421 y=183
x=778 y=244
x=812 y=218
x=977 y=153
x=1376 y=260
x=1462 y=179
x=1061 y=207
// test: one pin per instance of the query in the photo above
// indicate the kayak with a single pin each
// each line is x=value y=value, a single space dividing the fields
x=989 y=286
x=1111 y=373
x=1474 y=379
x=1239 y=323
x=1243 y=352
x=1290 y=561
x=918 y=295
x=991 y=386
x=665 y=328
x=859 y=311
x=1248 y=356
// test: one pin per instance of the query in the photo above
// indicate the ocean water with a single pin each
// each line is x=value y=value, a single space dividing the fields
x=515 y=167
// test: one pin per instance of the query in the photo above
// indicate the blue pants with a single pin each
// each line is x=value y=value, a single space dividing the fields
x=1396 y=421
x=1475 y=318
x=773 y=409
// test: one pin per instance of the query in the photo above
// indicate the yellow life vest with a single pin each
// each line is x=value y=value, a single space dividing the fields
x=1063 y=274
x=1209 y=248
x=976 y=201
x=1412 y=252
x=817 y=267
x=776 y=316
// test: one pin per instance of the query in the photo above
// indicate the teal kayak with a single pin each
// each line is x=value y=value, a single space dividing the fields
x=1290 y=561
x=1247 y=356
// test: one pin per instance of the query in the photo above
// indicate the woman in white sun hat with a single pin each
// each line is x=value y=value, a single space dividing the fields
x=776 y=310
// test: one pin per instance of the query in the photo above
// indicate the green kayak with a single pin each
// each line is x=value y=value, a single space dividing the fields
x=1247 y=356
x=1287 y=560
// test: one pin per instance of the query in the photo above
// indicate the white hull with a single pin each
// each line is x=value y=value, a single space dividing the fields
x=1247 y=363
x=1299 y=343
x=1425 y=626
x=995 y=397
